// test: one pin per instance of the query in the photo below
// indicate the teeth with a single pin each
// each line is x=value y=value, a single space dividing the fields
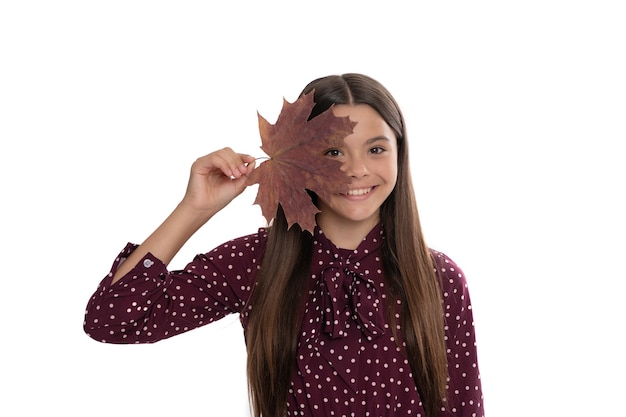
x=359 y=192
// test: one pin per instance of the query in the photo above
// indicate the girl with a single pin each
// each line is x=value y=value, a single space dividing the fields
x=359 y=318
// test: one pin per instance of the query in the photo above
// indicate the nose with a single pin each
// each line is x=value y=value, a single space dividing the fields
x=355 y=167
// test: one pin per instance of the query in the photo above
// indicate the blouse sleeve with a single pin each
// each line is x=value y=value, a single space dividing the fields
x=150 y=303
x=465 y=397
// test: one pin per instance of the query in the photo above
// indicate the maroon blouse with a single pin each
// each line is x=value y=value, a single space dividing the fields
x=348 y=364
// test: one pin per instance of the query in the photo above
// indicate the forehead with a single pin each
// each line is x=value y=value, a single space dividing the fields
x=370 y=123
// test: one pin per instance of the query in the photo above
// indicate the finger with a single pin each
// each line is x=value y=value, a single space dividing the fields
x=231 y=162
x=239 y=163
x=224 y=160
x=249 y=162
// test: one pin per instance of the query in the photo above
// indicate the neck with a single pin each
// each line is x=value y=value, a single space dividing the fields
x=345 y=235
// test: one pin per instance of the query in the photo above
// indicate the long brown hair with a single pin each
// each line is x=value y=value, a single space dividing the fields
x=274 y=320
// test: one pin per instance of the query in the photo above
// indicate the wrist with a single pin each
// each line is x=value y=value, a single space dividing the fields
x=192 y=215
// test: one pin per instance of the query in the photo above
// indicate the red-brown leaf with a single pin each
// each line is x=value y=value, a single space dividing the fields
x=297 y=163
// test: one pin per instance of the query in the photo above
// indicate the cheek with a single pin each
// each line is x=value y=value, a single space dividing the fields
x=392 y=173
x=323 y=204
x=393 y=180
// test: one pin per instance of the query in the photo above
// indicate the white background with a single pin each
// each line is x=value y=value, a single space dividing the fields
x=516 y=114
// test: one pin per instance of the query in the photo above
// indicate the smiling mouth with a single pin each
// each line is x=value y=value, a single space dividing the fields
x=360 y=191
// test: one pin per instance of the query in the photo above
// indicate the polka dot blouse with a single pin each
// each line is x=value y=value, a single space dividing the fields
x=348 y=361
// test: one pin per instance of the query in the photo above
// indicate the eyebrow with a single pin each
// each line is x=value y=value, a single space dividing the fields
x=376 y=139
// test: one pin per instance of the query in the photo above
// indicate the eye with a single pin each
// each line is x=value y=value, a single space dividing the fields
x=333 y=152
x=377 y=150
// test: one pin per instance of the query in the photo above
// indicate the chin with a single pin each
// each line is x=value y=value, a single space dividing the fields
x=362 y=217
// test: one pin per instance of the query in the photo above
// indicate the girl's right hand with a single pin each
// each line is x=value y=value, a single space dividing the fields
x=216 y=179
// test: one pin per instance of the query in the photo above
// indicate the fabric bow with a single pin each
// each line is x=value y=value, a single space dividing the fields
x=348 y=295
x=345 y=302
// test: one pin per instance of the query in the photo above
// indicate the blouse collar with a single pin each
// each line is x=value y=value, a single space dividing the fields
x=370 y=243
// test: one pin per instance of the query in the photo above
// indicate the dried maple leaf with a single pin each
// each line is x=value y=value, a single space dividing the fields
x=296 y=148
